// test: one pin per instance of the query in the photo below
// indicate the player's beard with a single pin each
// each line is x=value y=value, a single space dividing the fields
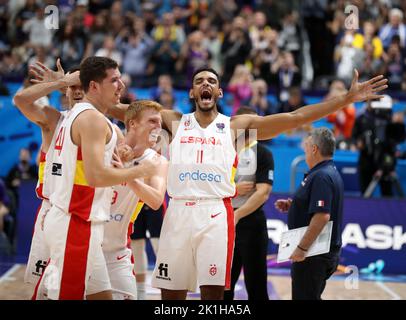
x=206 y=109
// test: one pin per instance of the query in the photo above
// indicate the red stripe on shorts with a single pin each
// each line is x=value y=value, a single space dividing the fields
x=230 y=239
x=75 y=259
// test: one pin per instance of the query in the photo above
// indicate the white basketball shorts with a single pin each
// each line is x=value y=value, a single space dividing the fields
x=77 y=266
x=39 y=252
x=196 y=245
x=120 y=266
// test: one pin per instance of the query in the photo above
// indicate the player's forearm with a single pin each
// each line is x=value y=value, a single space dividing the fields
x=118 y=111
x=317 y=223
x=270 y=126
x=109 y=176
x=317 y=111
x=152 y=197
x=31 y=94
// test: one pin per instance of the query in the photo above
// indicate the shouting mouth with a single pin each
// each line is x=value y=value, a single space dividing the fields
x=206 y=96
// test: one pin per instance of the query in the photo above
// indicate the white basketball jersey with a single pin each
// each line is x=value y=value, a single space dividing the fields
x=71 y=191
x=203 y=161
x=45 y=168
x=125 y=207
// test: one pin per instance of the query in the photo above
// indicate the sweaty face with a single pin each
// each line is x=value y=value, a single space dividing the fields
x=147 y=128
x=111 y=87
x=205 y=91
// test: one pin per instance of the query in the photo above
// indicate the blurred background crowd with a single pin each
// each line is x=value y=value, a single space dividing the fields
x=255 y=45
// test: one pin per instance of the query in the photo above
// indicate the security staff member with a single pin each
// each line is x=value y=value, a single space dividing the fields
x=254 y=179
x=318 y=200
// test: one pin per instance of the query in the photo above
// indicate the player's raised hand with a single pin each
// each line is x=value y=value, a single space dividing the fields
x=71 y=79
x=43 y=74
x=368 y=90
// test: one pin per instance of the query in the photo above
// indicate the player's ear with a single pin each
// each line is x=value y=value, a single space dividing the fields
x=93 y=85
x=191 y=96
x=220 y=93
x=131 y=123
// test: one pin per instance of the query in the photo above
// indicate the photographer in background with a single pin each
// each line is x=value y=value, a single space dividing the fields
x=376 y=137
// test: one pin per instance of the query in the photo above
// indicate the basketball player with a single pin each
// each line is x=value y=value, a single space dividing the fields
x=48 y=119
x=80 y=201
x=143 y=124
x=197 y=235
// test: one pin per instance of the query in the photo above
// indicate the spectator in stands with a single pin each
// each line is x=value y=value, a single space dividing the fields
x=164 y=85
x=12 y=66
x=236 y=47
x=240 y=86
x=168 y=22
x=116 y=27
x=23 y=15
x=294 y=102
x=259 y=101
x=133 y=6
x=35 y=28
x=99 y=30
x=343 y=119
x=109 y=50
x=69 y=46
x=194 y=55
x=347 y=57
x=394 y=65
x=273 y=11
x=395 y=27
x=370 y=66
x=223 y=12
x=287 y=73
x=213 y=44
x=167 y=100
x=165 y=54
x=368 y=36
x=23 y=170
x=264 y=58
x=136 y=48
x=42 y=55
x=257 y=31
x=290 y=35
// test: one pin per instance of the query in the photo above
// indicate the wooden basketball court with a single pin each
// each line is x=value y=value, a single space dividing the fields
x=12 y=287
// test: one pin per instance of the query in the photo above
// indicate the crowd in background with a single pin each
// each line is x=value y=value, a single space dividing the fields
x=284 y=43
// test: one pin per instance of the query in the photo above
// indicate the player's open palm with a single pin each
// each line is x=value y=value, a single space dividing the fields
x=43 y=74
x=367 y=90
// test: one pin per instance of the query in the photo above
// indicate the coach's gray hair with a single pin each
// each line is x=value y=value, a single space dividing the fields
x=324 y=139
